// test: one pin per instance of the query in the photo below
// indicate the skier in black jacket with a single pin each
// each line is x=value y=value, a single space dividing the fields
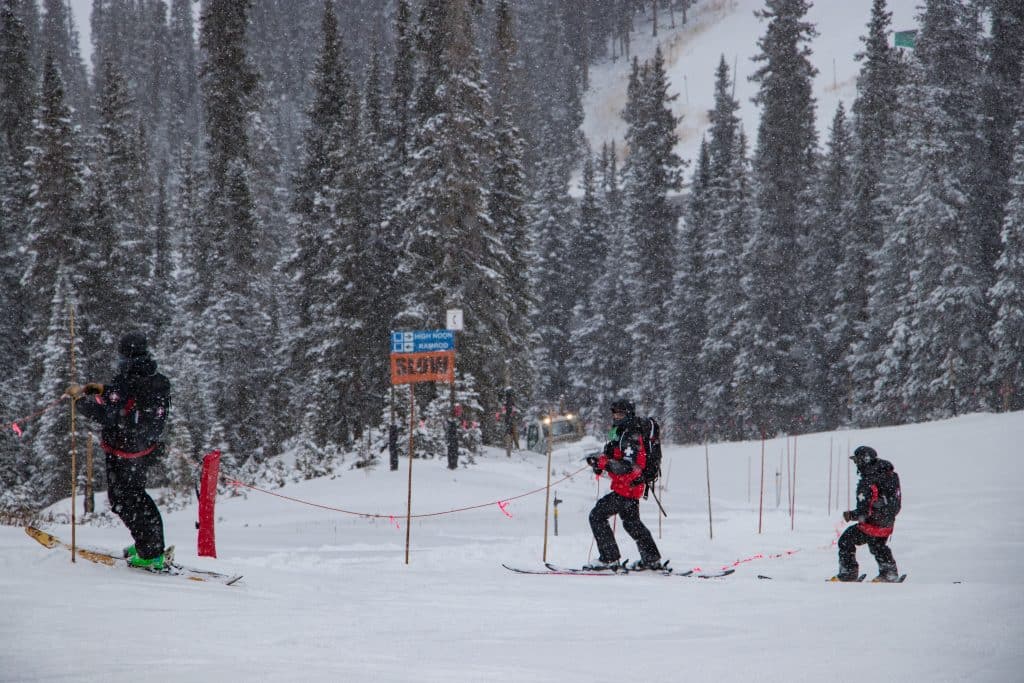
x=878 y=503
x=131 y=411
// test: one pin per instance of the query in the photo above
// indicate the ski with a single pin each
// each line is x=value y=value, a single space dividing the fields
x=620 y=570
x=706 y=575
x=171 y=568
x=836 y=579
x=560 y=571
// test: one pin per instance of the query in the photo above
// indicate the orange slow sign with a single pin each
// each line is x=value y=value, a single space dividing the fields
x=429 y=366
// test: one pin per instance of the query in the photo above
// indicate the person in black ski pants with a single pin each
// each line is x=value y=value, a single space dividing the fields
x=879 y=500
x=623 y=458
x=131 y=411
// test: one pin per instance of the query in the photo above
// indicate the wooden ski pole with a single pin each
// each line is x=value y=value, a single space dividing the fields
x=547 y=490
x=74 y=401
x=408 y=504
x=707 y=470
x=760 y=507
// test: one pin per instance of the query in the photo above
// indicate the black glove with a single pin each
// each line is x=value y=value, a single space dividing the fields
x=848 y=516
x=609 y=449
x=592 y=461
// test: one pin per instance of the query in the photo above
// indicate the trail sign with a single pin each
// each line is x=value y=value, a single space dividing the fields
x=422 y=341
x=905 y=38
x=432 y=366
x=422 y=356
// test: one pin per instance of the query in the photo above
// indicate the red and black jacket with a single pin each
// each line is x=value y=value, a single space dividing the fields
x=624 y=458
x=879 y=499
x=132 y=409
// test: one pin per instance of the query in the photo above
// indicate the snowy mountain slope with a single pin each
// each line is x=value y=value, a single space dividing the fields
x=327 y=595
x=728 y=28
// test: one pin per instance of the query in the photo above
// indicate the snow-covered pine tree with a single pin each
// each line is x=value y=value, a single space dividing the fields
x=237 y=328
x=947 y=349
x=851 y=323
x=59 y=38
x=183 y=85
x=768 y=368
x=685 y=324
x=50 y=450
x=17 y=109
x=998 y=107
x=715 y=195
x=121 y=241
x=1007 y=295
x=507 y=207
x=651 y=172
x=732 y=221
x=55 y=218
x=826 y=376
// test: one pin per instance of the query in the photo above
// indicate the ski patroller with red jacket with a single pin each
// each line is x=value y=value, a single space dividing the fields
x=624 y=458
x=131 y=411
x=879 y=500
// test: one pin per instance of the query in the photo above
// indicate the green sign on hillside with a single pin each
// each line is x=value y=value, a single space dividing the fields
x=905 y=38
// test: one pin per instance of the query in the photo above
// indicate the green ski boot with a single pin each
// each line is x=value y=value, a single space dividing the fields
x=153 y=564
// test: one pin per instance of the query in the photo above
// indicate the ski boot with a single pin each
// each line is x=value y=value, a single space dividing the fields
x=129 y=551
x=153 y=564
x=887 y=574
x=603 y=565
x=647 y=565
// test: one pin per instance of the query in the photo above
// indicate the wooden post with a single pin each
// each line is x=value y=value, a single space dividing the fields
x=828 y=509
x=848 y=503
x=707 y=470
x=792 y=499
x=547 y=491
x=408 y=504
x=760 y=507
x=74 y=400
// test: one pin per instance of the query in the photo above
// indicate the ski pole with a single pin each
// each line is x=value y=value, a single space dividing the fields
x=28 y=418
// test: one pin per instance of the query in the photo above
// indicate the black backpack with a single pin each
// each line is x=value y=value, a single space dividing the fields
x=650 y=430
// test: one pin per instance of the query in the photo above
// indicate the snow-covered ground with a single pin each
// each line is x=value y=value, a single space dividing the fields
x=327 y=596
x=717 y=28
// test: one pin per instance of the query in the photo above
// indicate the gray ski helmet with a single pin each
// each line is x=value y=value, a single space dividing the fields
x=864 y=455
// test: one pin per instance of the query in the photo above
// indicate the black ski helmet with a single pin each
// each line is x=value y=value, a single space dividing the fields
x=864 y=455
x=623 y=405
x=133 y=345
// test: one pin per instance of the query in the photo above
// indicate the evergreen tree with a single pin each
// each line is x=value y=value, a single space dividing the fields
x=651 y=171
x=50 y=470
x=732 y=220
x=507 y=207
x=17 y=108
x=947 y=354
x=55 y=236
x=826 y=377
x=853 y=324
x=768 y=369
x=403 y=82
x=685 y=322
x=59 y=39
x=1007 y=294
x=238 y=331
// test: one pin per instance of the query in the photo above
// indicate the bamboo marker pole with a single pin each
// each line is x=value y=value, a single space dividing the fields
x=74 y=401
x=828 y=508
x=707 y=470
x=547 y=490
x=408 y=504
x=760 y=507
x=792 y=499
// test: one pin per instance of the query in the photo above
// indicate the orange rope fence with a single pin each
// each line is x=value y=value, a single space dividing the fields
x=501 y=503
